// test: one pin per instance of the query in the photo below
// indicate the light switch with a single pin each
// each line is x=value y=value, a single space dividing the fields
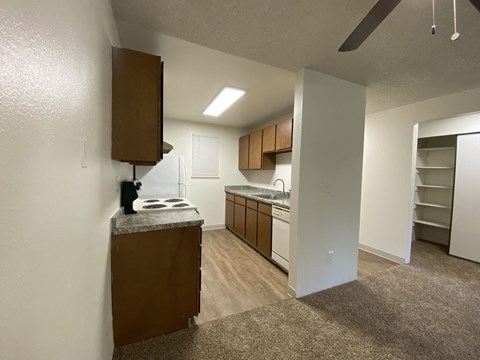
x=330 y=257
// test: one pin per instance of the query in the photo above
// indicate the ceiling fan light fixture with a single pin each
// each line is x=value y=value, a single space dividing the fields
x=455 y=35
x=225 y=98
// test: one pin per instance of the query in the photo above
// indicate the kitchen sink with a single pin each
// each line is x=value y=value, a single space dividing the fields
x=271 y=196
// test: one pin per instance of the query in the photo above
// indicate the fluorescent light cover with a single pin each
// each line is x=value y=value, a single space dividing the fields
x=223 y=101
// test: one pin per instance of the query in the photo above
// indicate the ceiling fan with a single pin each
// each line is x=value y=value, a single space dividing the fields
x=374 y=18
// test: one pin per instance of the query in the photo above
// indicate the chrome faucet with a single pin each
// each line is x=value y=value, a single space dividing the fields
x=283 y=183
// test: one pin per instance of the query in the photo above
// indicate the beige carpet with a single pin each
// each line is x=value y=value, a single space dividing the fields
x=427 y=310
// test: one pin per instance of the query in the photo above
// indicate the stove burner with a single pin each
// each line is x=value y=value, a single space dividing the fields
x=180 y=205
x=154 y=206
x=173 y=200
x=151 y=201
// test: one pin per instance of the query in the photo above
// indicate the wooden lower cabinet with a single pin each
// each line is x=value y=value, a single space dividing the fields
x=229 y=214
x=251 y=227
x=264 y=234
x=239 y=220
x=155 y=282
x=252 y=221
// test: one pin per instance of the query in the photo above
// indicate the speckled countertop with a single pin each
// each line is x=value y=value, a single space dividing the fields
x=249 y=192
x=153 y=221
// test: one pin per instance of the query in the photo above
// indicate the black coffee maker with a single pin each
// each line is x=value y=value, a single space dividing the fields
x=129 y=194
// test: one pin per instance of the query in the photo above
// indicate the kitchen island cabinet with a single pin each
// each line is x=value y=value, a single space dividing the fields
x=156 y=275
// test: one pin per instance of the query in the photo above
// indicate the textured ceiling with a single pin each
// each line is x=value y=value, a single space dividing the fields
x=400 y=63
x=195 y=74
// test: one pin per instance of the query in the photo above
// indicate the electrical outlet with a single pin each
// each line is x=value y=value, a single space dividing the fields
x=330 y=257
x=117 y=184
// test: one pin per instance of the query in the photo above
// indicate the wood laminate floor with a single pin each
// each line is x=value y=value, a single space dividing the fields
x=369 y=263
x=235 y=278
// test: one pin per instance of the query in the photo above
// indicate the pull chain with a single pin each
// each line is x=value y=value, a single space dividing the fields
x=455 y=35
x=434 y=27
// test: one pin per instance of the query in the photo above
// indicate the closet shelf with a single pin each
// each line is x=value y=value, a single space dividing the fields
x=435 y=186
x=437 y=148
x=440 y=206
x=433 y=223
x=435 y=167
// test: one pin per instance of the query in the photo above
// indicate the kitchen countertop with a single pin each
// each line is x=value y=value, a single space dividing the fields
x=154 y=221
x=248 y=192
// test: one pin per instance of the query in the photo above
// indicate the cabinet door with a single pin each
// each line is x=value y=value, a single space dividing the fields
x=255 y=151
x=155 y=282
x=251 y=226
x=268 y=142
x=136 y=107
x=243 y=144
x=239 y=220
x=229 y=214
x=284 y=135
x=264 y=234
x=465 y=237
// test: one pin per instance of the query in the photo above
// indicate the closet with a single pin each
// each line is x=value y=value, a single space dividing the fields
x=434 y=188
x=447 y=185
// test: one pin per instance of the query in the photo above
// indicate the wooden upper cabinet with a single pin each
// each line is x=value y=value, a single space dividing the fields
x=137 y=107
x=269 y=134
x=284 y=135
x=255 y=153
x=243 y=146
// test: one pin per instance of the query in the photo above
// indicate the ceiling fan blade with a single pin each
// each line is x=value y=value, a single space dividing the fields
x=369 y=23
x=476 y=3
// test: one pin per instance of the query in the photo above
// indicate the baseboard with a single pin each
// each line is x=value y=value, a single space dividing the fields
x=291 y=292
x=382 y=254
x=213 y=227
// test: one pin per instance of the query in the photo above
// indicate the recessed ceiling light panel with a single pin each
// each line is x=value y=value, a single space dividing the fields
x=223 y=101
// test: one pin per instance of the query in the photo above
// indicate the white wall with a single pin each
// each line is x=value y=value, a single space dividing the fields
x=207 y=194
x=326 y=181
x=266 y=178
x=385 y=225
x=463 y=124
x=55 y=80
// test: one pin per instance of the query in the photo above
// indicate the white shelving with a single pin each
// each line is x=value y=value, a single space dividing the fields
x=433 y=223
x=439 y=187
x=435 y=167
x=445 y=148
x=434 y=185
x=440 y=206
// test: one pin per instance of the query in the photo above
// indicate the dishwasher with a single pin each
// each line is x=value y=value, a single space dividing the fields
x=280 y=236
